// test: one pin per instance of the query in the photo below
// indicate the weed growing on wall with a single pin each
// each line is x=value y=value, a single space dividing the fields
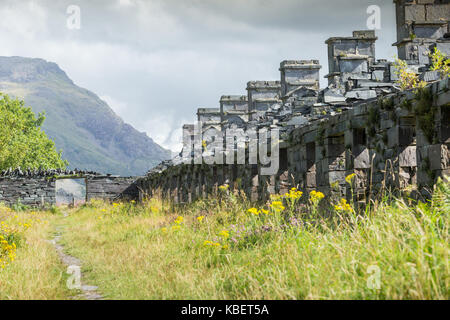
x=440 y=62
x=406 y=79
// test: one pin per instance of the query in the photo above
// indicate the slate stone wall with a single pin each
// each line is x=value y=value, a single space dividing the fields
x=38 y=188
x=31 y=191
x=111 y=188
x=383 y=141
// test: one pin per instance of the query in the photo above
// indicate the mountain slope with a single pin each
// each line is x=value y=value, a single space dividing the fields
x=88 y=131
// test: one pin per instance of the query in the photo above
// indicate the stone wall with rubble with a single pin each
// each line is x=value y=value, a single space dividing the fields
x=37 y=188
x=111 y=188
x=28 y=190
x=383 y=141
x=360 y=123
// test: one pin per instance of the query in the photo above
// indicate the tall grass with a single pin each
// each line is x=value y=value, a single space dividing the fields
x=36 y=271
x=219 y=249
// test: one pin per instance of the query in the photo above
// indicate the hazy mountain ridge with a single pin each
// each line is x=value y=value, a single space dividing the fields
x=88 y=131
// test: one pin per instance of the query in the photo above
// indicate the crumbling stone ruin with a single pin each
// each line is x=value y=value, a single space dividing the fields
x=361 y=123
x=37 y=188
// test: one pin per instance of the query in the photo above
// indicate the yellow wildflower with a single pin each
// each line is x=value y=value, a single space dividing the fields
x=316 y=196
x=293 y=194
x=343 y=206
x=200 y=219
x=254 y=211
x=275 y=197
x=207 y=243
x=224 y=187
x=179 y=220
x=225 y=234
x=349 y=179
x=211 y=244
x=154 y=209
x=277 y=206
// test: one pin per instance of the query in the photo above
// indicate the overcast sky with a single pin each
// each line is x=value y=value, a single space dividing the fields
x=156 y=61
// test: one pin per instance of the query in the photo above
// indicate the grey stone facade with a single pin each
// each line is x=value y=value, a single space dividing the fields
x=32 y=191
x=421 y=25
x=37 y=188
x=111 y=188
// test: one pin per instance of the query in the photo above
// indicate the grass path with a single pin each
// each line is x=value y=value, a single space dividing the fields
x=117 y=256
x=88 y=292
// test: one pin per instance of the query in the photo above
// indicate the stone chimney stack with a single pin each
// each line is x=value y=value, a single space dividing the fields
x=233 y=105
x=299 y=73
x=263 y=94
x=421 y=24
x=208 y=115
x=350 y=56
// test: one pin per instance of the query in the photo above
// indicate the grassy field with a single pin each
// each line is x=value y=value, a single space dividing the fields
x=225 y=249
x=31 y=269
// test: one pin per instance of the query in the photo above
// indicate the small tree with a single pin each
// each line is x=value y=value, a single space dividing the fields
x=439 y=62
x=406 y=79
x=22 y=141
x=410 y=80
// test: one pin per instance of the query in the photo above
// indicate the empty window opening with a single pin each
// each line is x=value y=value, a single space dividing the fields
x=70 y=192
x=310 y=155
x=283 y=160
x=359 y=137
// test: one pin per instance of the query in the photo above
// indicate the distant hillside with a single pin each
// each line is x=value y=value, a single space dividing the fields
x=88 y=131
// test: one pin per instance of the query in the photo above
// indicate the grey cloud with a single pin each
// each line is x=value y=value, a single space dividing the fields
x=165 y=58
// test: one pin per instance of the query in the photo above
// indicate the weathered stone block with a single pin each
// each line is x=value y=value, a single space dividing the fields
x=438 y=12
x=407 y=158
x=415 y=13
x=311 y=180
x=362 y=160
x=393 y=137
x=336 y=176
x=439 y=157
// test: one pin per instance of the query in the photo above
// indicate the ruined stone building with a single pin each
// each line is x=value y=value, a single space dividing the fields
x=361 y=123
